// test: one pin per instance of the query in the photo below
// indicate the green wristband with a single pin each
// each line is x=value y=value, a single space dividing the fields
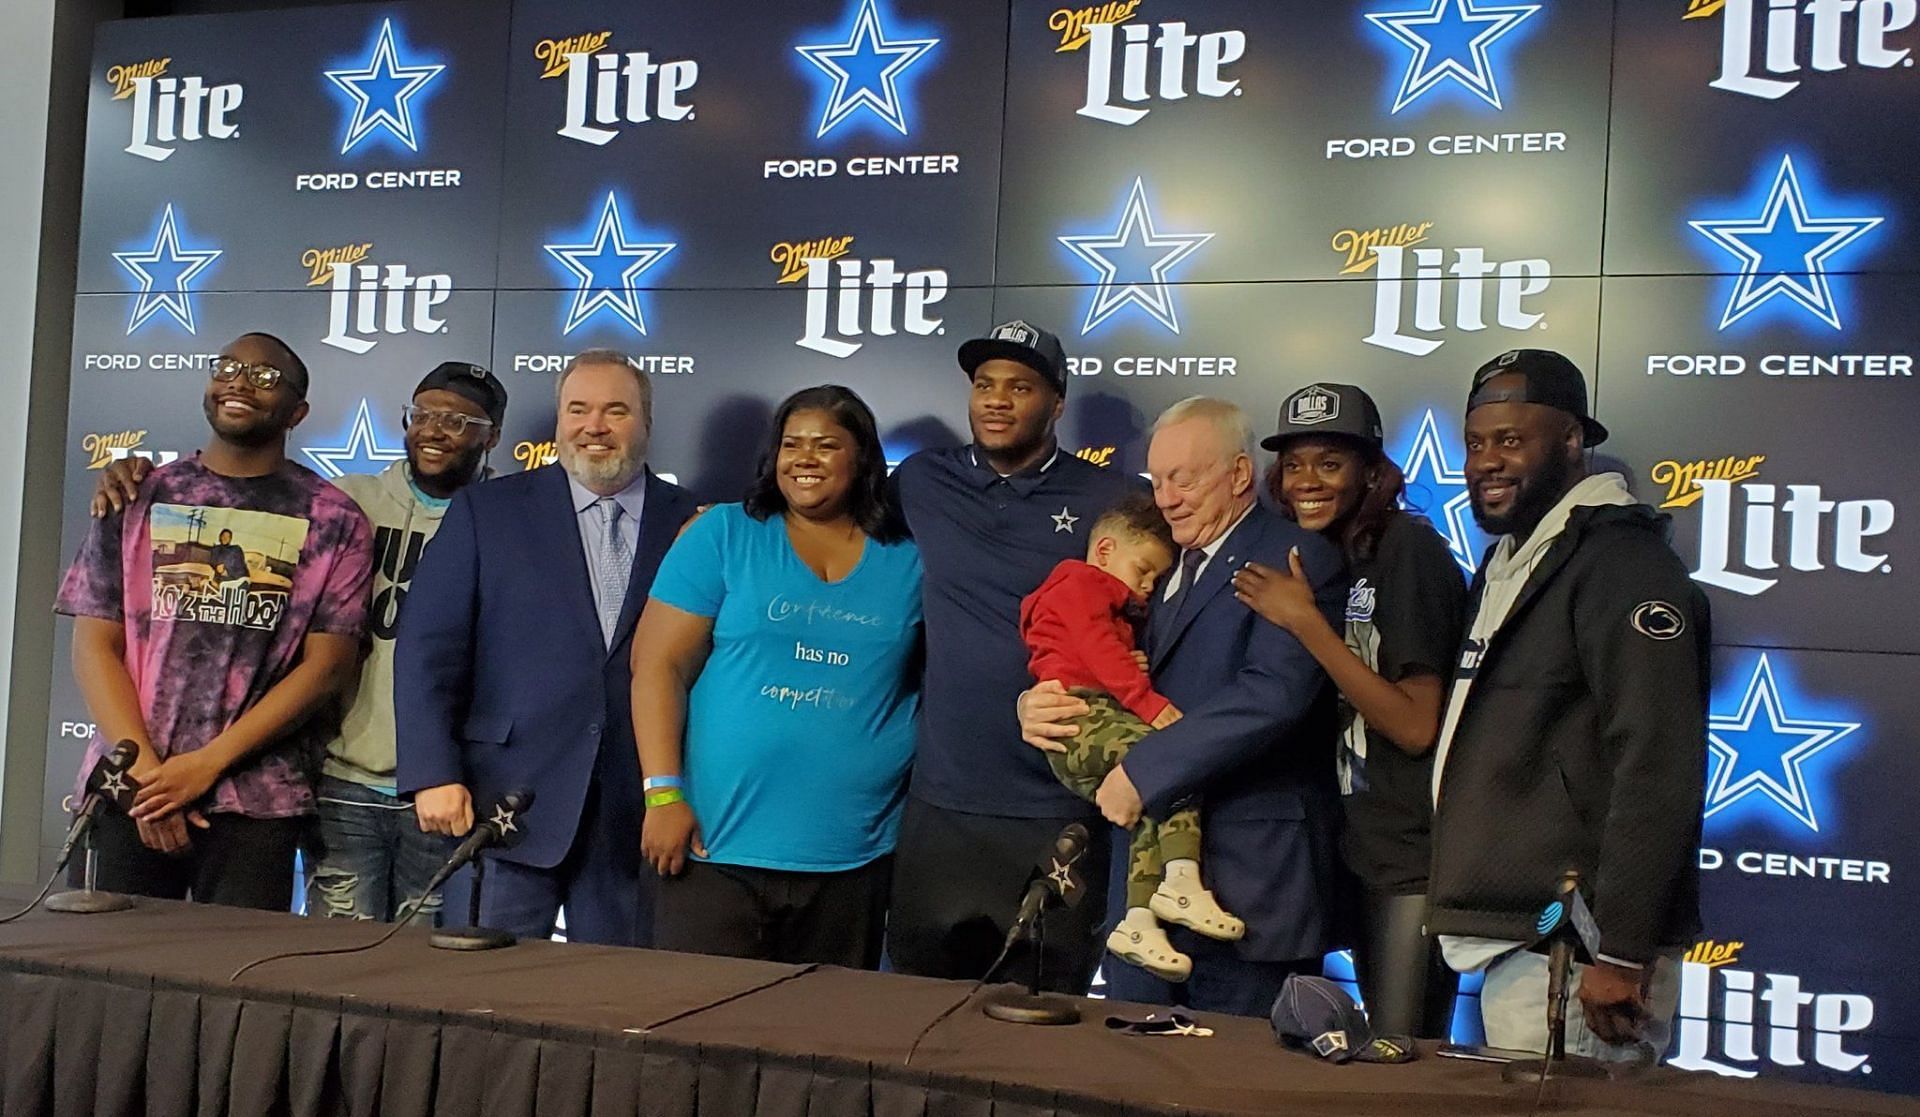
x=665 y=796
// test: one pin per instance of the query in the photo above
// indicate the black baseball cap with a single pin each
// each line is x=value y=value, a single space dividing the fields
x=1317 y=1015
x=1548 y=379
x=473 y=382
x=1023 y=343
x=1339 y=409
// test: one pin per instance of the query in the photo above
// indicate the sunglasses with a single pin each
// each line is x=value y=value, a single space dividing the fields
x=264 y=377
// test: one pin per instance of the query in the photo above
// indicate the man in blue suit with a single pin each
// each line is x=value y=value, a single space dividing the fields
x=511 y=665
x=1257 y=739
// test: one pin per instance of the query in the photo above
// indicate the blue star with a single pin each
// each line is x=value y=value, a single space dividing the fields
x=361 y=452
x=1769 y=757
x=605 y=268
x=1425 y=462
x=166 y=272
x=1449 y=40
x=1132 y=263
x=381 y=91
x=1787 y=261
x=865 y=70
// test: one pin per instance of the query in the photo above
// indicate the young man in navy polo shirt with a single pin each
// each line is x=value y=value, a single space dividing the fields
x=992 y=519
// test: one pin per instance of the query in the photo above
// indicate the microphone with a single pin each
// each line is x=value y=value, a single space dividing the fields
x=1056 y=882
x=108 y=783
x=501 y=828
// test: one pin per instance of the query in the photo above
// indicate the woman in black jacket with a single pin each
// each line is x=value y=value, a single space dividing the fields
x=1404 y=618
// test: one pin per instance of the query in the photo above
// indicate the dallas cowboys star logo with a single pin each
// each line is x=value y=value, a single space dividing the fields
x=605 y=267
x=1427 y=464
x=1064 y=520
x=1062 y=877
x=114 y=785
x=1759 y=748
x=1132 y=263
x=865 y=70
x=166 y=271
x=360 y=453
x=1449 y=41
x=382 y=92
x=1787 y=259
x=503 y=821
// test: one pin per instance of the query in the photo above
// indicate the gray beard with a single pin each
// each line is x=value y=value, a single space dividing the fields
x=613 y=473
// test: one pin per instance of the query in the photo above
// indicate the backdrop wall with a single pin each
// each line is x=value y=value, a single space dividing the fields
x=1703 y=202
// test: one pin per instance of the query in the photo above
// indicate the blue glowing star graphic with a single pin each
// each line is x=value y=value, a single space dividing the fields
x=381 y=93
x=166 y=271
x=604 y=268
x=865 y=70
x=359 y=450
x=1449 y=41
x=1132 y=263
x=1759 y=748
x=1784 y=257
x=1425 y=460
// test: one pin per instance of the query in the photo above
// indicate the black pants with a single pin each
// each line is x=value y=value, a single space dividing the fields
x=1408 y=988
x=835 y=919
x=957 y=881
x=237 y=861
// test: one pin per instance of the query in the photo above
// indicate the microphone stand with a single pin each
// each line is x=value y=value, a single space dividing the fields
x=85 y=900
x=1557 y=1064
x=1032 y=1006
x=473 y=936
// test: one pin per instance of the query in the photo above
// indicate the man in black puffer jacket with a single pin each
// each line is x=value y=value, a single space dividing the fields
x=1575 y=734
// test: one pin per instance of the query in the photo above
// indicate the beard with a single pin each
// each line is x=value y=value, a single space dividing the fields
x=261 y=429
x=616 y=471
x=1536 y=497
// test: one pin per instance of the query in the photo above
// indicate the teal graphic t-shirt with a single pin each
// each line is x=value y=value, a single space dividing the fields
x=800 y=727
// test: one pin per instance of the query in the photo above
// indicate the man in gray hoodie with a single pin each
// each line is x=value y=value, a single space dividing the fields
x=374 y=858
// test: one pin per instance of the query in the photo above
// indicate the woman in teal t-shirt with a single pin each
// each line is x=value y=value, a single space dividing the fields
x=775 y=689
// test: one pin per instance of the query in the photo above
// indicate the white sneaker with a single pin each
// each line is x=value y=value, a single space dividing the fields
x=1197 y=911
x=1148 y=948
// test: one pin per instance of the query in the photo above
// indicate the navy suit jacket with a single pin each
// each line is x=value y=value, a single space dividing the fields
x=501 y=678
x=1255 y=742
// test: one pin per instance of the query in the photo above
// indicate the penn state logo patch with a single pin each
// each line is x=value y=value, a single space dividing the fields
x=1657 y=620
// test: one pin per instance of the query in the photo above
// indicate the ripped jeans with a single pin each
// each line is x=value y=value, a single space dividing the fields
x=373 y=857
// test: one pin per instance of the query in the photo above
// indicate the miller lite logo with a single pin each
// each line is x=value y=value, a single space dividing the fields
x=1313 y=405
x=1743 y=532
x=849 y=297
x=171 y=110
x=1357 y=246
x=533 y=455
x=1473 y=280
x=1732 y=1020
x=1766 y=36
x=1130 y=65
x=792 y=256
x=1096 y=455
x=368 y=299
x=607 y=90
x=102 y=449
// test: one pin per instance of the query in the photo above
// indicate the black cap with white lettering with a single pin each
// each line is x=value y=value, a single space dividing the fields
x=1021 y=343
x=472 y=382
x=1327 y=409
x=1546 y=378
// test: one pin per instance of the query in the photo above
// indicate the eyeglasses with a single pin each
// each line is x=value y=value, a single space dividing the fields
x=263 y=377
x=454 y=423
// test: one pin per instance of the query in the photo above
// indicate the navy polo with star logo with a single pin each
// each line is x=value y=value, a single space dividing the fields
x=986 y=541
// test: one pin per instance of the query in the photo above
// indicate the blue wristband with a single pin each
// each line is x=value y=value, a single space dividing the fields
x=656 y=783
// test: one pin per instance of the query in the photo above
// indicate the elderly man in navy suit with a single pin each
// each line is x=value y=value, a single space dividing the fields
x=511 y=666
x=1256 y=746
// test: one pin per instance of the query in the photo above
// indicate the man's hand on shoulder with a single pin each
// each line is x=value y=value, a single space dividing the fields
x=118 y=485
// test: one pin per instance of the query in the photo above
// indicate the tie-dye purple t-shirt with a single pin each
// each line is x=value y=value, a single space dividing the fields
x=218 y=580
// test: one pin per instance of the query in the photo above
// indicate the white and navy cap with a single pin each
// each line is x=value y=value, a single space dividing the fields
x=1023 y=343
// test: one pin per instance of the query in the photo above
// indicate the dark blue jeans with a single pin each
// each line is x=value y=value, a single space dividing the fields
x=373 y=857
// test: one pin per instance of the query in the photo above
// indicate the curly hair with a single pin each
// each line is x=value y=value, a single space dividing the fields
x=870 y=503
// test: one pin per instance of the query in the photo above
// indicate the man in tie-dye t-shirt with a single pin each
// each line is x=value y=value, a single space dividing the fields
x=212 y=622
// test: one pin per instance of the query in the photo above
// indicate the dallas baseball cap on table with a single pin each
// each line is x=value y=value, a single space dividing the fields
x=1317 y=1015
x=1327 y=409
x=1547 y=378
x=471 y=382
x=1023 y=343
